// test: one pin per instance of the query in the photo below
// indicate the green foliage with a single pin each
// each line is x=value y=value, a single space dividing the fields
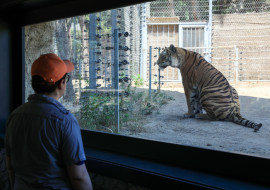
x=138 y=80
x=97 y=111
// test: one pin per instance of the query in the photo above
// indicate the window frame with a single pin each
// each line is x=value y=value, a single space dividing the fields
x=226 y=164
x=183 y=25
x=230 y=165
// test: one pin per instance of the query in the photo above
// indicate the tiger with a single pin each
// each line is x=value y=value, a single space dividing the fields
x=205 y=87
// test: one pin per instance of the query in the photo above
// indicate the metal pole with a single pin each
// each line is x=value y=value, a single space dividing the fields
x=209 y=57
x=80 y=77
x=114 y=26
x=92 y=46
x=143 y=66
x=150 y=71
x=116 y=78
x=158 y=72
x=236 y=63
x=74 y=41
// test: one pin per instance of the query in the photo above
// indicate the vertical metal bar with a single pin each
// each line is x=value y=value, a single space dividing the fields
x=199 y=44
x=195 y=38
x=74 y=41
x=75 y=54
x=158 y=72
x=173 y=43
x=152 y=34
x=106 y=71
x=114 y=26
x=143 y=68
x=163 y=32
x=181 y=44
x=150 y=71
x=209 y=40
x=168 y=45
x=116 y=79
x=191 y=37
x=236 y=64
x=188 y=37
x=92 y=46
x=157 y=38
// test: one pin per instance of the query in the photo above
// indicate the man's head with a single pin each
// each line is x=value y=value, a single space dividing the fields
x=48 y=71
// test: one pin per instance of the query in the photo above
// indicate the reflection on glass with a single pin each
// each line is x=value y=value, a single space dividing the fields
x=154 y=110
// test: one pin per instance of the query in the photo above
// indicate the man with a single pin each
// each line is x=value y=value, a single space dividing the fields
x=43 y=142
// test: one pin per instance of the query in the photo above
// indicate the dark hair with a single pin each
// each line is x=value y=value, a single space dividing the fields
x=40 y=86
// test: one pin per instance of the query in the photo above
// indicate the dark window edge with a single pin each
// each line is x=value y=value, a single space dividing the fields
x=158 y=175
x=231 y=165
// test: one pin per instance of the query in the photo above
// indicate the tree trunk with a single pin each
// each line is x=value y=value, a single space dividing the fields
x=84 y=46
x=38 y=40
x=64 y=47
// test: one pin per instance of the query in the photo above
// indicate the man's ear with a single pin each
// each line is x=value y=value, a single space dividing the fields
x=61 y=84
x=172 y=48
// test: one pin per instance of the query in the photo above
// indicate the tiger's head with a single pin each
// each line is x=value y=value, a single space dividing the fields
x=170 y=56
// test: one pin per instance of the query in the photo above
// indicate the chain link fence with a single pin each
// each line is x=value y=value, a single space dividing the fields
x=236 y=32
x=186 y=11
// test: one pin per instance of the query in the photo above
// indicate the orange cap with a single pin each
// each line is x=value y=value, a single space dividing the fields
x=51 y=68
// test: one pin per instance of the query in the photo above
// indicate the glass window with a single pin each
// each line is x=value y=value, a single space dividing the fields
x=116 y=88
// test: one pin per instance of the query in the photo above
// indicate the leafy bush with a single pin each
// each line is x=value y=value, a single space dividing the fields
x=96 y=112
x=138 y=80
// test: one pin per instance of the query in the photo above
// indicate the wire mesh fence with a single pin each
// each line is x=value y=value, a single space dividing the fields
x=185 y=10
x=232 y=34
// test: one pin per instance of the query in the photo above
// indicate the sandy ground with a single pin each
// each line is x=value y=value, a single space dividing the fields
x=167 y=125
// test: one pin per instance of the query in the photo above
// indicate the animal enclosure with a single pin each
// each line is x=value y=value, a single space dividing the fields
x=116 y=88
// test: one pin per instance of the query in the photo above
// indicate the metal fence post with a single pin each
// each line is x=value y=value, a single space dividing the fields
x=158 y=72
x=209 y=28
x=74 y=48
x=114 y=26
x=236 y=64
x=92 y=46
x=150 y=71
x=143 y=62
x=116 y=78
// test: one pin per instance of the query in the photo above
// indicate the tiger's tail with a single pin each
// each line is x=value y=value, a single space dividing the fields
x=247 y=123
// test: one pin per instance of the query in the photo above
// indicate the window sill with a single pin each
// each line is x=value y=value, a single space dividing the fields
x=158 y=175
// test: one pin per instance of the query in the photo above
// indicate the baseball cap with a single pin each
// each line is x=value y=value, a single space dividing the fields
x=51 y=68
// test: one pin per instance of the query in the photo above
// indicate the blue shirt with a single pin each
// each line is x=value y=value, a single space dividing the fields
x=42 y=139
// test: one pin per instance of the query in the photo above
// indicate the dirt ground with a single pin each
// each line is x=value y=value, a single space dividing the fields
x=167 y=125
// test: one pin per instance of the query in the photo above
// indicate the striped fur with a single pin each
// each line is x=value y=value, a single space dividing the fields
x=205 y=87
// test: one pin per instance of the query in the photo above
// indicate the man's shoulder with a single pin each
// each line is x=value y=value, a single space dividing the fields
x=69 y=117
x=46 y=110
